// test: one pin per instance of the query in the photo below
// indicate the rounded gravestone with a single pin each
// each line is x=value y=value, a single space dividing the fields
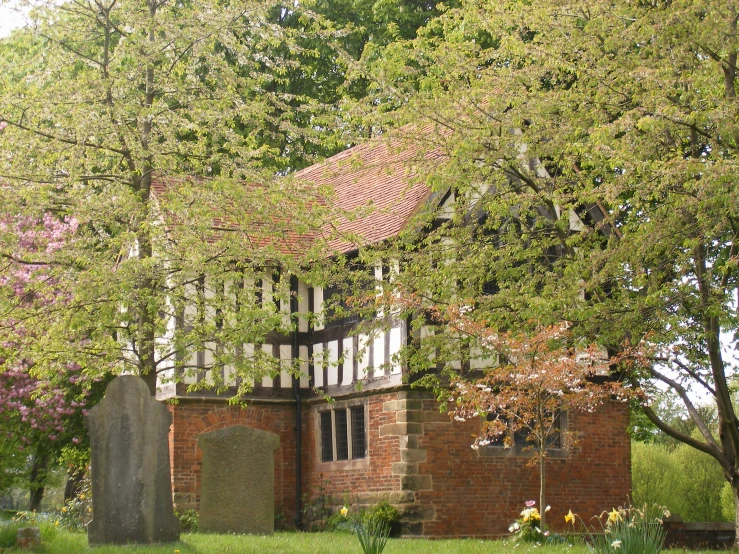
x=237 y=490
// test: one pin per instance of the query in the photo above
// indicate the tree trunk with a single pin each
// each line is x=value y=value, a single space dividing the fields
x=735 y=487
x=74 y=483
x=542 y=485
x=37 y=480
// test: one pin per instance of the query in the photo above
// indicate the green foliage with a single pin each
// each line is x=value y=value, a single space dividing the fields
x=8 y=532
x=382 y=513
x=76 y=513
x=700 y=486
x=687 y=482
x=655 y=476
x=372 y=535
x=189 y=520
x=318 y=511
x=159 y=94
x=728 y=505
x=630 y=531
x=592 y=149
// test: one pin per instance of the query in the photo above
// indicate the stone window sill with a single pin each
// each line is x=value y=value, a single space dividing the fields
x=519 y=452
x=343 y=465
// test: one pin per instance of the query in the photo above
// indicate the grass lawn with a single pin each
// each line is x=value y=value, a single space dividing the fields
x=62 y=542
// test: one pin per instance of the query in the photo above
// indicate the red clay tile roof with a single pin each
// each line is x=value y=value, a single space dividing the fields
x=377 y=180
x=380 y=180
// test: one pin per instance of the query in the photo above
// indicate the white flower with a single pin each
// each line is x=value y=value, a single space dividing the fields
x=515 y=527
x=616 y=545
x=547 y=508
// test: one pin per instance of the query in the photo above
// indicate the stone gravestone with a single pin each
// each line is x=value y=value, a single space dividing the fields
x=131 y=486
x=28 y=537
x=237 y=490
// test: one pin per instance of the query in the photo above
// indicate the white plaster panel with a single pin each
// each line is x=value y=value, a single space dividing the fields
x=378 y=352
x=333 y=362
x=286 y=380
x=267 y=380
x=303 y=353
x=318 y=307
x=363 y=353
x=348 y=355
x=302 y=306
x=395 y=345
x=318 y=365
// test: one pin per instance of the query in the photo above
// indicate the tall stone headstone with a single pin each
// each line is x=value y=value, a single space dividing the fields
x=237 y=490
x=131 y=486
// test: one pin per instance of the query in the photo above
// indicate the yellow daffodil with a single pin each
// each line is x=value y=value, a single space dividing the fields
x=56 y=523
x=344 y=511
x=570 y=517
x=64 y=509
x=614 y=516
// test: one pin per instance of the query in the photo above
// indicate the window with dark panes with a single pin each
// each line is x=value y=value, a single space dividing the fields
x=343 y=434
x=520 y=437
x=359 y=436
x=327 y=443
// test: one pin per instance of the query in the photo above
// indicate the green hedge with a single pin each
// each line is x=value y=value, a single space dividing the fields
x=685 y=480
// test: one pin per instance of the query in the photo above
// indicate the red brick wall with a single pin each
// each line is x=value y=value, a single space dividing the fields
x=357 y=476
x=476 y=495
x=422 y=462
x=190 y=418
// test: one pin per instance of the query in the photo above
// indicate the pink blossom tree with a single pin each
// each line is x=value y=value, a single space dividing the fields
x=41 y=408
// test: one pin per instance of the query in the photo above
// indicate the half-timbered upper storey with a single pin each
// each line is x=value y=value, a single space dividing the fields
x=376 y=187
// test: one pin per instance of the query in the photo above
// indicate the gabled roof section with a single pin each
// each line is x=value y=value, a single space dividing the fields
x=379 y=183
x=247 y=215
x=374 y=188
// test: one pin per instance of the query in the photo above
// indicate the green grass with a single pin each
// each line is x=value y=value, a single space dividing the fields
x=56 y=541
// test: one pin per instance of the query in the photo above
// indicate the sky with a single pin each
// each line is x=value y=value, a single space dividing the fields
x=9 y=19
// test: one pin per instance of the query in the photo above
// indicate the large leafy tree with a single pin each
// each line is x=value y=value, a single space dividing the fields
x=108 y=108
x=593 y=152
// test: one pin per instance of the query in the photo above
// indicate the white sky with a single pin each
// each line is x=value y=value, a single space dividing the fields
x=10 y=18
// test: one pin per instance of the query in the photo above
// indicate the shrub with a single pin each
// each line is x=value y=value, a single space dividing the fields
x=383 y=513
x=380 y=514
x=684 y=480
x=189 y=520
x=700 y=483
x=654 y=476
x=76 y=513
x=728 y=508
